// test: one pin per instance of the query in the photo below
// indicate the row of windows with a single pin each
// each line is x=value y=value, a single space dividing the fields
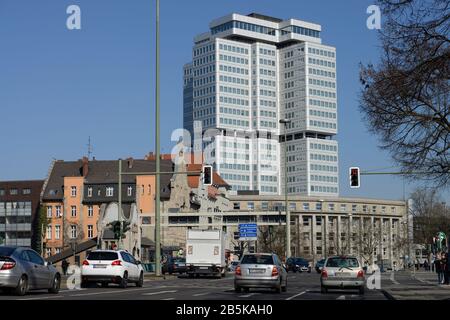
x=234 y=111
x=322 y=114
x=322 y=157
x=204 y=60
x=302 y=31
x=269 y=178
x=234 y=166
x=320 y=103
x=203 y=81
x=242 y=25
x=267 y=52
x=14 y=206
x=203 y=112
x=224 y=57
x=204 y=101
x=323 y=73
x=322 y=124
x=289 y=74
x=269 y=83
x=321 y=62
x=269 y=189
x=267 y=62
x=235 y=145
x=267 y=93
x=321 y=52
x=236 y=177
x=322 y=83
x=320 y=146
x=236 y=101
x=324 y=189
x=267 y=103
x=321 y=93
x=236 y=156
x=239 y=187
x=289 y=64
x=289 y=95
x=268 y=114
x=324 y=178
x=266 y=72
x=15 y=191
x=203 y=50
x=233 y=90
x=208 y=122
x=289 y=84
x=238 y=70
x=320 y=167
x=234 y=80
x=234 y=122
x=204 y=91
x=231 y=48
x=204 y=70
x=268 y=124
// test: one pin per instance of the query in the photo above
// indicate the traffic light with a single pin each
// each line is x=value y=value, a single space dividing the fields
x=125 y=227
x=207 y=175
x=116 y=229
x=354 y=177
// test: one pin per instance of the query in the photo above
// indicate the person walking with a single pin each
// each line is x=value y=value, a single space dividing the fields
x=64 y=266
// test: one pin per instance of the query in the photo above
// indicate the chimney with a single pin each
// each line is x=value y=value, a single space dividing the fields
x=130 y=163
x=85 y=169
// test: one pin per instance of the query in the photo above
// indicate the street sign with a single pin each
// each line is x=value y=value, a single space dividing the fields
x=248 y=231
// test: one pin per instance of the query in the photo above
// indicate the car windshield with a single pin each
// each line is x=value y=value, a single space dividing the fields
x=342 y=263
x=257 y=259
x=301 y=261
x=6 y=251
x=102 y=255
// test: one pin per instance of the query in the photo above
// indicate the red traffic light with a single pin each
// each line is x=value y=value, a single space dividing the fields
x=354 y=177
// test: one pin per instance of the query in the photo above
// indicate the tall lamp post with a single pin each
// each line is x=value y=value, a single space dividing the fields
x=288 y=217
x=158 y=167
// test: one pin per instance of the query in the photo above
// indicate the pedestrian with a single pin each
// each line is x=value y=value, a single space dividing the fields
x=445 y=268
x=65 y=266
x=438 y=268
x=425 y=265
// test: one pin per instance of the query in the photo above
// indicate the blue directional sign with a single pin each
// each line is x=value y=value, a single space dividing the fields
x=248 y=231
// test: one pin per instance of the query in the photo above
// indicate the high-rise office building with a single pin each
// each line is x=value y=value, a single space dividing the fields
x=247 y=74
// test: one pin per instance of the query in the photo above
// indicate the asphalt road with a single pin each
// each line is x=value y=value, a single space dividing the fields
x=301 y=286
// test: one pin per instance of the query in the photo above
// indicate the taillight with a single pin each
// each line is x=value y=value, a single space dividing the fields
x=360 y=274
x=324 y=273
x=8 y=265
x=274 y=271
x=238 y=271
x=85 y=263
x=116 y=263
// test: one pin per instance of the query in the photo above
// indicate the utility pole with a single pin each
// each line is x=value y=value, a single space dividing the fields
x=288 y=217
x=158 y=164
x=119 y=211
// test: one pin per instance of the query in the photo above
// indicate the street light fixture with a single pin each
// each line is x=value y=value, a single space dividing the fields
x=288 y=217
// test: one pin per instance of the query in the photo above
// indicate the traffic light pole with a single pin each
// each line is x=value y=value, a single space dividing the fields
x=119 y=210
x=158 y=160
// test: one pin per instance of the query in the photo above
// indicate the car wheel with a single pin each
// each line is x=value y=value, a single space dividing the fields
x=278 y=288
x=22 y=286
x=361 y=290
x=140 y=283
x=105 y=284
x=56 y=285
x=237 y=289
x=124 y=281
x=84 y=284
x=246 y=290
x=323 y=289
x=284 y=289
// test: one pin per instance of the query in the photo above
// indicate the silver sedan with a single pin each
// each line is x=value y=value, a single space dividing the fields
x=23 y=269
x=342 y=272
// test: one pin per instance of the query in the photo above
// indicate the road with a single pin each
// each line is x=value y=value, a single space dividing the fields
x=301 y=286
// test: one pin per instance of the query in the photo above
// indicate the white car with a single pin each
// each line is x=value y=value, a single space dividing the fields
x=111 y=266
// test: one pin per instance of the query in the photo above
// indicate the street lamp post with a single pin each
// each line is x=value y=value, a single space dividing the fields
x=288 y=217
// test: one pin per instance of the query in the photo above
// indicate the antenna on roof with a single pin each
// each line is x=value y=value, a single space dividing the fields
x=90 y=148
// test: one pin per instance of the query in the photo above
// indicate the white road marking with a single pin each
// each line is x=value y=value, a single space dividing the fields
x=169 y=299
x=200 y=294
x=294 y=296
x=40 y=298
x=108 y=292
x=340 y=298
x=248 y=295
x=159 y=292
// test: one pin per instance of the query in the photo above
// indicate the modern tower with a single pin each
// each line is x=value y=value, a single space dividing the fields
x=247 y=73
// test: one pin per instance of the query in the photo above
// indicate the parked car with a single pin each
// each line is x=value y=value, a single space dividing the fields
x=260 y=270
x=111 y=266
x=342 y=272
x=233 y=265
x=174 y=265
x=23 y=269
x=319 y=265
x=298 y=264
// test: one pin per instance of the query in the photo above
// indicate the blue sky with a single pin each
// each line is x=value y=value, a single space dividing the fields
x=57 y=86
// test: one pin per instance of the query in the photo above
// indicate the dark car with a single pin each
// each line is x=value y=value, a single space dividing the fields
x=319 y=265
x=174 y=265
x=298 y=264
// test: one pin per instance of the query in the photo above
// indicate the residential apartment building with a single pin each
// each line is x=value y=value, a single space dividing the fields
x=249 y=72
x=19 y=212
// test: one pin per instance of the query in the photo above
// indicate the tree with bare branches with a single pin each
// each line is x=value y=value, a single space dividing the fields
x=405 y=100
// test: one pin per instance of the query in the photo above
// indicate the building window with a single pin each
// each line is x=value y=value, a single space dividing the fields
x=26 y=191
x=57 y=232
x=305 y=221
x=90 y=232
x=331 y=206
x=318 y=221
x=364 y=208
x=13 y=192
x=374 y=209
x=319 y=236
x=292 y=206
x=306 y=250
x=319 y=206
x=129 y=191
x=90 y=211
x=149 y=189
x=142 y=189
x=89 y=192
x=73 y=191
x=73 y=232
x=49 y=212
x=2 y=192
x=146 y=220
x=73 y=210
x=319 y=250
x=343 y=207
x=306 y=206
x=109 y=191
x=353 y=207
x=49 y=232
x=393 y=209
x=264 y=205
x=383 y=209
x=251 y=205
x=58 y=211
x=57 y=250
x=236 y=206
x=48 y=252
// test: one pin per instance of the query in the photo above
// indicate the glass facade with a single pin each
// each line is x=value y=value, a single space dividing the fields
x=15 y=223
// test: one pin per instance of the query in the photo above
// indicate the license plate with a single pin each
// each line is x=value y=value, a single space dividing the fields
x=181 y=265
x=99 y=266
x=345 y=274
x=257 y=270
x=204 y=268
